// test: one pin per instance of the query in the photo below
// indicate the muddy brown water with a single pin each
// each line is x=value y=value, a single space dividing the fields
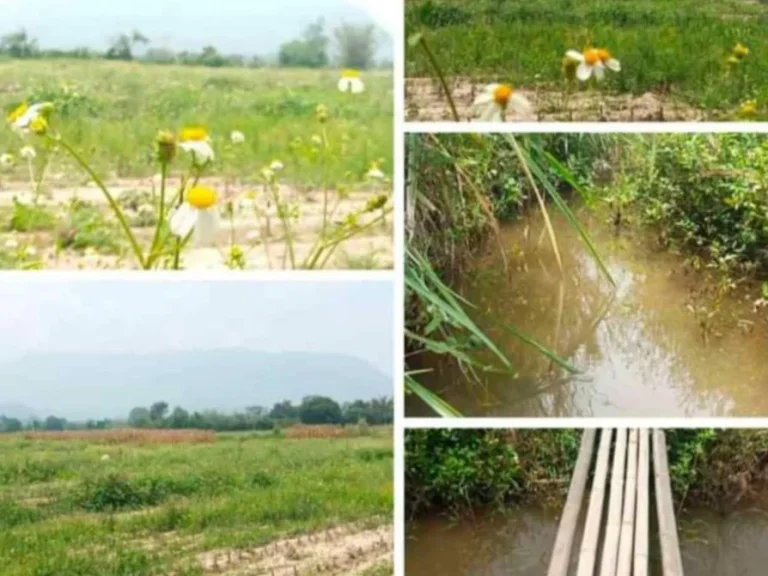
x=519 y=543
x=639 y=348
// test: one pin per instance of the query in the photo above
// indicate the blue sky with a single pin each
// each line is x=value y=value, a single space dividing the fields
x=234 y=26
x=349 y=317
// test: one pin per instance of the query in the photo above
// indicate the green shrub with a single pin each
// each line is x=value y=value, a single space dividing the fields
x=458 y=469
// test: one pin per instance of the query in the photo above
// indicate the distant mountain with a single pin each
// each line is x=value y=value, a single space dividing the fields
x=82 y=386
x=19 y=411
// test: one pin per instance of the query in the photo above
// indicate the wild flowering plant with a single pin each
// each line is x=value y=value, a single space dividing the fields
x=192 y=214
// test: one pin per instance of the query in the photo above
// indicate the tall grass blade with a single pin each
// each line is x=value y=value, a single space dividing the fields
x=437 y=404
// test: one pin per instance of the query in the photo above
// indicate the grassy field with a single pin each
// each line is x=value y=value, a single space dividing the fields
x=673 y=53
x=230 y=504
x=111 y=113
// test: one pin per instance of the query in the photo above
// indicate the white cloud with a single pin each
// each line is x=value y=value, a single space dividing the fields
x=384 y=12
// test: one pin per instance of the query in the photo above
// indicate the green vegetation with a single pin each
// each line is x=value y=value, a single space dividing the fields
x=81 y=507
x=453 y=471
x=674 y=48
x=354 y=44
x=313 y=410
x=112 y=111
x=702 y=196
x=298 y=168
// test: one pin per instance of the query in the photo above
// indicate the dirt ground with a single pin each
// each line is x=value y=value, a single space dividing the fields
x=264 y=246
x=342 y=551
x=425 y=102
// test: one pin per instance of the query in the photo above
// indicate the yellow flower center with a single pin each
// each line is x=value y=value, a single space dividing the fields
x=502 y=94
x=20 y=110
x=202 y=197
x=592 y=56
x=740 y=51
x=194 y=135
x=350 y=73
x=39 y=125
x=604 y=55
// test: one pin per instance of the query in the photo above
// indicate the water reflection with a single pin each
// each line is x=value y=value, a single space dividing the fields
x=640 y=350
x=519 y=543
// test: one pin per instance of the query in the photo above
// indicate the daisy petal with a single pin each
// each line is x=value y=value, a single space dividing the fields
x=183 y=220
x=576 y=56
x=206 y=227
x=483 y=98
x=599 y=72
x=520 y=105
x=491 y=113
x=357 y=86
x=584 y=71
x=614 y=65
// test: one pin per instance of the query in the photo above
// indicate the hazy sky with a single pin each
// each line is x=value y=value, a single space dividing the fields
x=349 y=317
x=234 y=26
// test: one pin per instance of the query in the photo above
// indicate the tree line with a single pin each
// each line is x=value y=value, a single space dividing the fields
x=354 y=46
x=311 y=410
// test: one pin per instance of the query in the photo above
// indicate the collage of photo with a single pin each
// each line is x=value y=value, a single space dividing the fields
x=384 y=288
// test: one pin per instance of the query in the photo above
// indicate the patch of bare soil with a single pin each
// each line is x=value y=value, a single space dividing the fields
x=425 y=102
x=264 y=244
x=346 y=550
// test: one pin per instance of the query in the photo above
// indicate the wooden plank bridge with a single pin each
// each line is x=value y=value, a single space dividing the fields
x=615 y=538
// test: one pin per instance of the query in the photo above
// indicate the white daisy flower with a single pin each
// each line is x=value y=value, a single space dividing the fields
x=199 y=212
x=317 y=140
x=197 y=142
x=28 y=153
x=375 y=173
x=6 y=160
x=276 y=166
x=494 y=101
x=350 y=81
x=237 y=137
x=23 y=116
x=11 y=241
x=593 y=61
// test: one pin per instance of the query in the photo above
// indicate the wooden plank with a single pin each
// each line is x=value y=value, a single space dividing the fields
x=561 y=553
x=671 y=561
x=613 y=521
x=588 y=553
x=624 y=566
x=641 y=524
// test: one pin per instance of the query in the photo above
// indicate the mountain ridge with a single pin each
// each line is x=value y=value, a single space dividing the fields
x=80 y=386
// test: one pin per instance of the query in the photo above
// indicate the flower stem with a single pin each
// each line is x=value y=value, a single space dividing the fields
x=161 y=211
x=344 y=237
x=325 y=181
x=440 y=76
x=112 y=202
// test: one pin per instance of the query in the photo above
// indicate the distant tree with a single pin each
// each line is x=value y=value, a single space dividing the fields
x=10 y=424
x=122 y=46
x=256 y=62
x=210 y=57
x=160 y=56
x=157 y=412
x=18 y=45
x=179 y=418
x=311 y=51
x=139 y=417
x=284 y=411
x=54 y=423
x=356 y=45
x=319 y=410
